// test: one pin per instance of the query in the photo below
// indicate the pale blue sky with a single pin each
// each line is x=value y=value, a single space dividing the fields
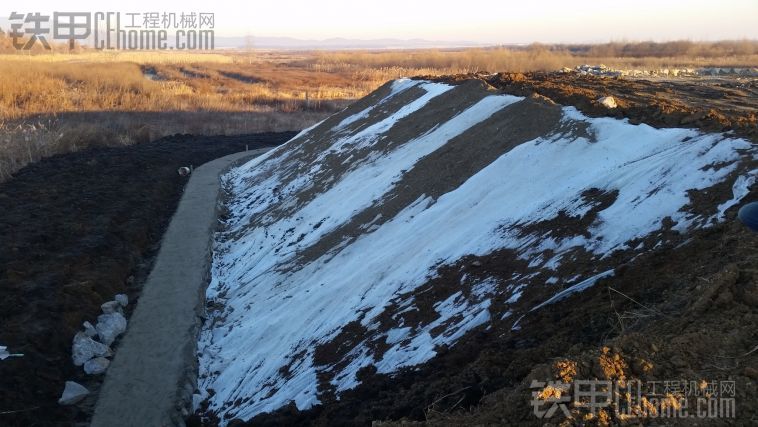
x=485 y=21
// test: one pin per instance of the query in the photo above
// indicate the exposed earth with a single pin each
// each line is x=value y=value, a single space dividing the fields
x=79 y=228
x=716 y=104
x=681 y=309
x=75 y=230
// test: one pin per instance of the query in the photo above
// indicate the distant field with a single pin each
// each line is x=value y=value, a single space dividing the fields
x=64 y=101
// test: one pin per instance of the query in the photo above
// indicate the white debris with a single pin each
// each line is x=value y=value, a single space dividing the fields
x=96 y=366
x=111 y=307
x=73 y=393
x=85 y=348
x=579 y=287
x=4 y=354
x=598 y=70
x=605 y=71
x=122 y=299
x=89 y=330
x=109 y=326
x=608 y=102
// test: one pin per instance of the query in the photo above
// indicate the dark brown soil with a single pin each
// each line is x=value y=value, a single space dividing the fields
x=75 y=230
x=709 y=104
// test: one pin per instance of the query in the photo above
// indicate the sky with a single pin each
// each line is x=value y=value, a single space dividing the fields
x=482 y=21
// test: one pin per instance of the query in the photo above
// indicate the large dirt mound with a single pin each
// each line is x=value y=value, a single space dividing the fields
x=379 y=264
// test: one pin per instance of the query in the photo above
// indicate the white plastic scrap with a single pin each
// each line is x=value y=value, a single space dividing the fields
x=579 y=287
x=4 y=354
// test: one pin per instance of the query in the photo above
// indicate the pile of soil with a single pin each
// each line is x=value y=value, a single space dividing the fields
x=684 y=311
x=709 y=104
x=75 y=230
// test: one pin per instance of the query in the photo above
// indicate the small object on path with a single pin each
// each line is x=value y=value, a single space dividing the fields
x=73 y=393
x=184 y=171
x=748 y=214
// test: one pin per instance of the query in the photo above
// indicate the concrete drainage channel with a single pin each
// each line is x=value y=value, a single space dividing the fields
x=154 y=372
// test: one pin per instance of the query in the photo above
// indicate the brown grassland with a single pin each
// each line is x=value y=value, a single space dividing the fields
x=61 y=101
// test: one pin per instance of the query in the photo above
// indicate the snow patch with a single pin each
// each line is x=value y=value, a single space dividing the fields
x=740 y=189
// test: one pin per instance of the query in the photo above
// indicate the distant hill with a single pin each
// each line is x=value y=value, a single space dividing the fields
x=334 y=43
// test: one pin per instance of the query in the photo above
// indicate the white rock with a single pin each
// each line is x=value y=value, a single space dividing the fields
x=109 y=326
x=122 y=299
x=96 y=366
x=608 y=102
x=89 y=330
x=85 y=348
x=73 y=393
x=111 y=307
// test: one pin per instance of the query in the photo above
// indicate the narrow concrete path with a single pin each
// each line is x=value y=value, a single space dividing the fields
x=153 y=374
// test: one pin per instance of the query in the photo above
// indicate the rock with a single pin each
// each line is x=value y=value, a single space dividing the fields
x=122 y=299
x=540 y=98
x=85 y=348
x=73 y=393
x=608 y=102
x=89 y=330
x=748 y=214
x=751 y=372
x=96 y=366
x=111 y=307
x=109 y=326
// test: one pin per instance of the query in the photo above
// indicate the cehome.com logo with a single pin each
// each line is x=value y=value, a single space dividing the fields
x=115 y=30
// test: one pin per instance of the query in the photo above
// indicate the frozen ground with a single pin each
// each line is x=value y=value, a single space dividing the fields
x=304 y=289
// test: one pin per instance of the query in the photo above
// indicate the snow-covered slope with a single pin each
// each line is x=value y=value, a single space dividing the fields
x=335 y=246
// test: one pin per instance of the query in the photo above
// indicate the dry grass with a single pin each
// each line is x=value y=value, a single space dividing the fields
x=50 y=100
x=137 y=57
x=34 y=139
x=538 y=57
